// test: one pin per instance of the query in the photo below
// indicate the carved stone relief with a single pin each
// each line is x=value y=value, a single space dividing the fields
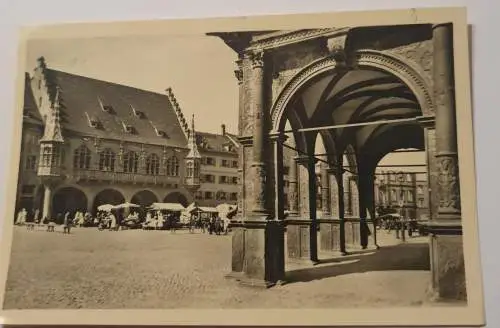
x=448 y=181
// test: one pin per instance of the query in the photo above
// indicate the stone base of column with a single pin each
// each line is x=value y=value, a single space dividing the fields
x=258 y=252
x=352 y=233
x=298 y=239
x=329 y=232
x=447 y=260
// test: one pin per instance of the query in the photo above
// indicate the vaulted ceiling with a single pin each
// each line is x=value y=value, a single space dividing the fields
x=357 y=96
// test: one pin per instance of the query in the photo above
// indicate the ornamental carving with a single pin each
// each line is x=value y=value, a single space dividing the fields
x=257 y=59
x=259 y=185
x=448 y=182
x=293 y=201
x=419 y=53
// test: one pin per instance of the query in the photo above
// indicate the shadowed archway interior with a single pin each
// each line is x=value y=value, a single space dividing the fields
x=69 y=199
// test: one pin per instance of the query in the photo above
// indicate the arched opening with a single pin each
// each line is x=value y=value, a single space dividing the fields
x=144 y=198
x=108 y=196
x=68 y=199
x=176 y=197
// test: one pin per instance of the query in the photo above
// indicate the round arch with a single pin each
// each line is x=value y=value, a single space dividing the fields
x=144 y=198
x=108 y=196
x=176 y=197
x=362 y=59
x=68 y=199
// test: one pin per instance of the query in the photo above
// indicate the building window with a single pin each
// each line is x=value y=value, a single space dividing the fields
x=234 y=196
x=198 y=195
x=394 y=195
x=210 y=161
x=208 y=195
x=210 y=178
x=225 y=163
x=173 y=166
x=31 y=163
x=81 y=158
x=222 y=179
x=221 y=195
x=235 y=180
x=235 y=164
x=153 y=164
x=107 y=160
x=130 y=162
x=409 y=195
x=189 y=169
x=420 y=203
x=420 y=190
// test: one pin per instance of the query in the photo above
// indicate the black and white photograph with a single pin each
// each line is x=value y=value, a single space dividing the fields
x=235 y=168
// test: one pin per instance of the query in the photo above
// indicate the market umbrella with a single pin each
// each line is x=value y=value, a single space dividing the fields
x=105 y=207
x=127 y=205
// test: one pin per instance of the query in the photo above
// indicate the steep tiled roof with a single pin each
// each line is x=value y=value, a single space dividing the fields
x=214 y=142
x=30 y=111
x=114 y=108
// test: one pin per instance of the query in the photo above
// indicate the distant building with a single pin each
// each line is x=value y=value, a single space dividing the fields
x=87 y=142
x=393 y=189
x=219 y=168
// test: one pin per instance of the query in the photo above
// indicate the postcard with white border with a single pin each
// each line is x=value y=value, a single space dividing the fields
x=307 y=169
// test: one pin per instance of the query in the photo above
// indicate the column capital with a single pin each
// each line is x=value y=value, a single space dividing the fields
x=442 y=25
x=256 y=58
x=428 y=121
x=278 y=137
x=246 y=141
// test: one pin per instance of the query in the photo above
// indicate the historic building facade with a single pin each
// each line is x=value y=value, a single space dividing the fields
x=366 y=91
x=405 y=190
x=87 y=142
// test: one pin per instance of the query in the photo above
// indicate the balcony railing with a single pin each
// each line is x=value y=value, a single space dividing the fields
x=122 y=177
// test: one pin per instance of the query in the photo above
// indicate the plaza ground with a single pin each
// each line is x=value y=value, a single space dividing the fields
x=158 y=269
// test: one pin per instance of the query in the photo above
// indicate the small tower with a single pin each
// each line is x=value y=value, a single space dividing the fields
x=192 y=161
x=51 y=144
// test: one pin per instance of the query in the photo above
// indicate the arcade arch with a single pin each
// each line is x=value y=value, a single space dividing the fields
x=108 y=196
x=69 y=199
x=176 y=197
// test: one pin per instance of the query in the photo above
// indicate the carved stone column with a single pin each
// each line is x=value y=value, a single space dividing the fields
x=241 y=91
x=330 y=223
x=259 y=133
x=257 y=252
x=293 y=191
x=302 y=227
x=447 y=260
x=325 y=191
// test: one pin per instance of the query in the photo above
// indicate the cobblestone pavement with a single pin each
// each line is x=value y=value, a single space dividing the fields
x=158 y=269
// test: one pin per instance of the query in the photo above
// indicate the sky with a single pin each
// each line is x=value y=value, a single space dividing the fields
x=199 y=69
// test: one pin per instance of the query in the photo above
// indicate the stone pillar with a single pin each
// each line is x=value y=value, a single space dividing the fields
x=330 y=223
x=325 y=191
x=47 y=201
x=259 y=134
x=447 y=260
x=293 y=191
x=341 y=205
x=302 y=226
x=262 y=237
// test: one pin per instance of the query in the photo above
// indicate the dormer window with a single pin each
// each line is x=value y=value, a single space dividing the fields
x=93 y=122
x=106 y=108
x=128 y=128
x=158 y=132
x=137 y=113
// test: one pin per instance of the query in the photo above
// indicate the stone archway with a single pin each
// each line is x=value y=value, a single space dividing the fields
x=108 y=196
x=144 y=198
x=68 y=199
x=176 y=197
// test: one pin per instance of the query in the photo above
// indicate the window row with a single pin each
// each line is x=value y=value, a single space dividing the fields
x=219 y=195
x=223 y=163
x=210 y=178
x=404 y=195
x=107 y=162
